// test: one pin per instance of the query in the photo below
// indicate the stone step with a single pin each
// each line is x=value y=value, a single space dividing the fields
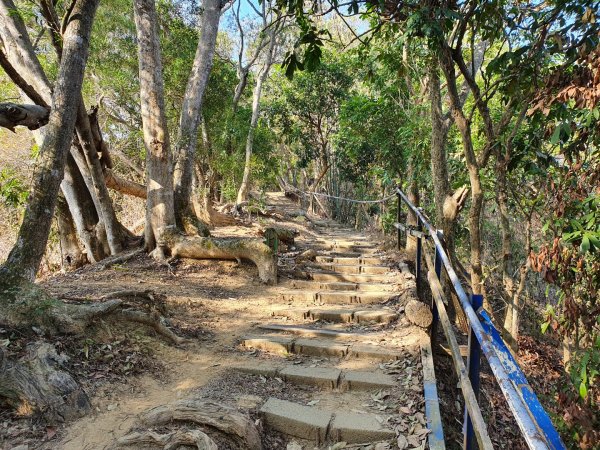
x=378 y=315
x=318 y=425
x=337 y=297
x=365 y=260
x=283 y=345
x=349 y=246
x=351 y=269
x=323 y=377
x=320 y=332
x=333 y=276
x=339 y=286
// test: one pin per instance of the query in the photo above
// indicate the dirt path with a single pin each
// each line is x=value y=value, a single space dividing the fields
x=219 y=305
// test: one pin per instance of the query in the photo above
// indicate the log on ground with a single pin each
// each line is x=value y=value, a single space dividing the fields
x=196 y=247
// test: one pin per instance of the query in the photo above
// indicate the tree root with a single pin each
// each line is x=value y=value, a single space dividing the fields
x=195 y=247
x=36 y=383
x=205 y=413
x=170 y=441
x=120 y=259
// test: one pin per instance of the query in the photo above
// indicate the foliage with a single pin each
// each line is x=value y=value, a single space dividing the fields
x=13 y=192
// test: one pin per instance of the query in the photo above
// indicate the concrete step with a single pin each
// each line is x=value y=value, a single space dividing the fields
x=325 y=378
x=284 y=345
x=337 y=297
x=347 y=246
x=318 y=425
x=333 y=276
x=328 y=333
x=378 y=315
x=350 y=268
x=339 y=286
x=365 y=260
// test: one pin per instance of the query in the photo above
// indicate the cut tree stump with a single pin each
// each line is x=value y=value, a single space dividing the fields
x=418 y=313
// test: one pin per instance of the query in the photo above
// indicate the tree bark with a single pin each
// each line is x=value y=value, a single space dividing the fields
x=105 y=205
x=25 y=257
x=439 y=160
x=71 y=255
x=411 y=219
x=30 y=116
x=84 y=213
x=189 y=121
x=464 y=127
x=197 y=247
x=159 y=205
x=19 y=50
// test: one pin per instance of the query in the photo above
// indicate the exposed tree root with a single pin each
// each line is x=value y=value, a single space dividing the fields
x=285 y=235
x=205 y=210
x=193 y=226
x=35 y=384
x=170 y=441
x=195 y=247
x=121 y=258
x=208 y=414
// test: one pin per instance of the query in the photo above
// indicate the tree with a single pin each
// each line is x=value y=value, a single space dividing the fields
x=24 y=260
x=272 y=26
x=189 y=122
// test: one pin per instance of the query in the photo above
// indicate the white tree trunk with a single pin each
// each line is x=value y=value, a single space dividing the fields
x=243 y=191
x=189 y=121
x=25 y=257
x=159 y=205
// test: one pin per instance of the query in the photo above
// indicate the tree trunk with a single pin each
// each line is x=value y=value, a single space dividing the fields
x=243 y=191
x=20 y=54
x=25 y=257
x=105 y=206
x=19 y=50
x=189 y=121
x=439 y=160
x=464 y=127
x=159 y=206
x=83 y=211
x=71 y=255
x=411 y=219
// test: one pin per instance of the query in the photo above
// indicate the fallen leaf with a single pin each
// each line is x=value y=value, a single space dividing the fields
x=402 y=442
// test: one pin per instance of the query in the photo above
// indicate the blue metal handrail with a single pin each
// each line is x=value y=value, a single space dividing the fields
x=535 y=424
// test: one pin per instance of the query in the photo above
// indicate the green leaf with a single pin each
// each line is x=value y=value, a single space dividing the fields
x=585 y=244
x=555 y=138
x=583 y=390
x=545 y=326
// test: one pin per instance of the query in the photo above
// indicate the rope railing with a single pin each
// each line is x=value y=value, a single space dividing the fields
x=533 y=421
x=346 y=199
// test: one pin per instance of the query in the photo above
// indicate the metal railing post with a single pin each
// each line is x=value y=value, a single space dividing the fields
x=438 y=272
x=419 y=255
x=398 y=216
x=473 y=366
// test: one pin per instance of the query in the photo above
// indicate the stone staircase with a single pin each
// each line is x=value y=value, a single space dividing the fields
x=339 y=329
